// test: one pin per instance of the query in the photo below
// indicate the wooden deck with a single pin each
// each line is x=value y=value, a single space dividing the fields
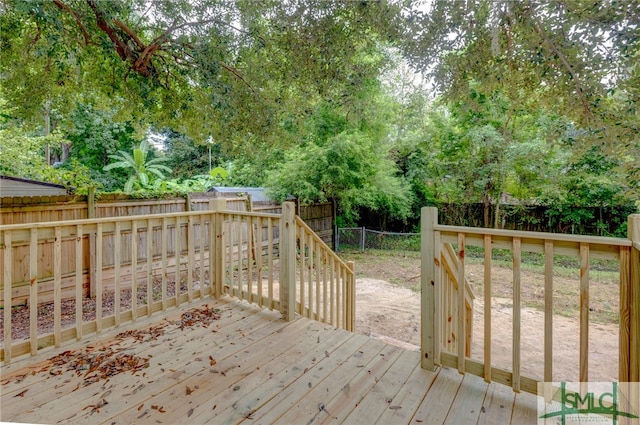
x=246 y=366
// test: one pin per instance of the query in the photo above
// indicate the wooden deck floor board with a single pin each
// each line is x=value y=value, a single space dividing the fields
x=497 y=407
x=196 y=390
x=251 y=367
x=435 y=406
x=16 y=369
x=524 y=409
x=270 y=380
x=381 y=396
x=410 y=395
x=339 y=400
x=321 y=381
x=468 y=402
x=171 y=363
x=191 y=368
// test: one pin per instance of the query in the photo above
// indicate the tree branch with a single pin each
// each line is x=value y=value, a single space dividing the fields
x=72 y=12
x=237 y=74
x=537 y=27
x=121 y=48
x=130 y=33
x=36 y=38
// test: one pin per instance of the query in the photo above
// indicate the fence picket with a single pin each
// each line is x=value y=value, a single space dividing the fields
x=178 y=258
x=149 y=255
x=191 y=254
x=78 y=260
x=487 y=307
x=584 y=312
x=57 y=286
x=33 y=291
x=202 y=258
x=460 y=337
x=301 y=272
x=163 y=277
x=270 y=263
x=99 y=285
x=134 y=270
x=117 y=260
x=8 y=262
x=548 y=311
x=258 y=256
x=517 y=260
x=310 y=242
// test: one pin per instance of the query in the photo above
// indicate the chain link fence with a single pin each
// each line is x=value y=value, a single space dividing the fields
x=362 y=238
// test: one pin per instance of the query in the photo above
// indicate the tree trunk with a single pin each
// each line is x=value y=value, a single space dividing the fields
x=47 y=130
x=486 y=205
x=66 y=147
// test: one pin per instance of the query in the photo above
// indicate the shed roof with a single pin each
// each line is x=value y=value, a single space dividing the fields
x=258 y=194
x=15 y=186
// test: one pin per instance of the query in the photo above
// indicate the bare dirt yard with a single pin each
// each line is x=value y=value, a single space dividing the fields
x=388 y=307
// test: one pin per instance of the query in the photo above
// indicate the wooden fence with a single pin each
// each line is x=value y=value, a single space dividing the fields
x=38 y=209
x=149 y=263
x=585 y=248
x=22 y=210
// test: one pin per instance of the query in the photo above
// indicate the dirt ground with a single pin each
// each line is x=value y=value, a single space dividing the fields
x=388 y=312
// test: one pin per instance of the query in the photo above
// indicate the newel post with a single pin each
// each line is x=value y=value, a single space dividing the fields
x=429 y=219
x=217 y=246
x=288 y=261
x=634 y=297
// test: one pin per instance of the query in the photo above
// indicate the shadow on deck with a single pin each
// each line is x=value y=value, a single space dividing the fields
x=249 y=366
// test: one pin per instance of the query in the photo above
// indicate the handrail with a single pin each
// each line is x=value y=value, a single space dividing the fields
x=556 y=237
x=584 y=248
x=325 y=283
x=309 y=230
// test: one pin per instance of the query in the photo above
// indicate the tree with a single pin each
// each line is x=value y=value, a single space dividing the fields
x=577 y=58
x=350 y=169
x=206 y=68
x=143 y=169
x=21 y=155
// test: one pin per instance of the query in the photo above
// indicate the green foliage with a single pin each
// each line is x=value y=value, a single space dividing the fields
x=536 y=99
x=147 y=173
x=349 y=168
x=22 y=155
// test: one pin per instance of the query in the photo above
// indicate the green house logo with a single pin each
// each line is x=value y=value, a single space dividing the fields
x=592 y=403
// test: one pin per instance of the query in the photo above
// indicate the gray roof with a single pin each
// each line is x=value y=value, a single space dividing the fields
x=258 y=194
x=15 y=186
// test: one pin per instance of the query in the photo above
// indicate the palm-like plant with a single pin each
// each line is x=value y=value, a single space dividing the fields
x=142 y=169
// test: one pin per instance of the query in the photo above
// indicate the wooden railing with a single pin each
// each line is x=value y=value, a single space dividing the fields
x=434 y=240
x=326 y=284
x=143 y=264
x=450 y=315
